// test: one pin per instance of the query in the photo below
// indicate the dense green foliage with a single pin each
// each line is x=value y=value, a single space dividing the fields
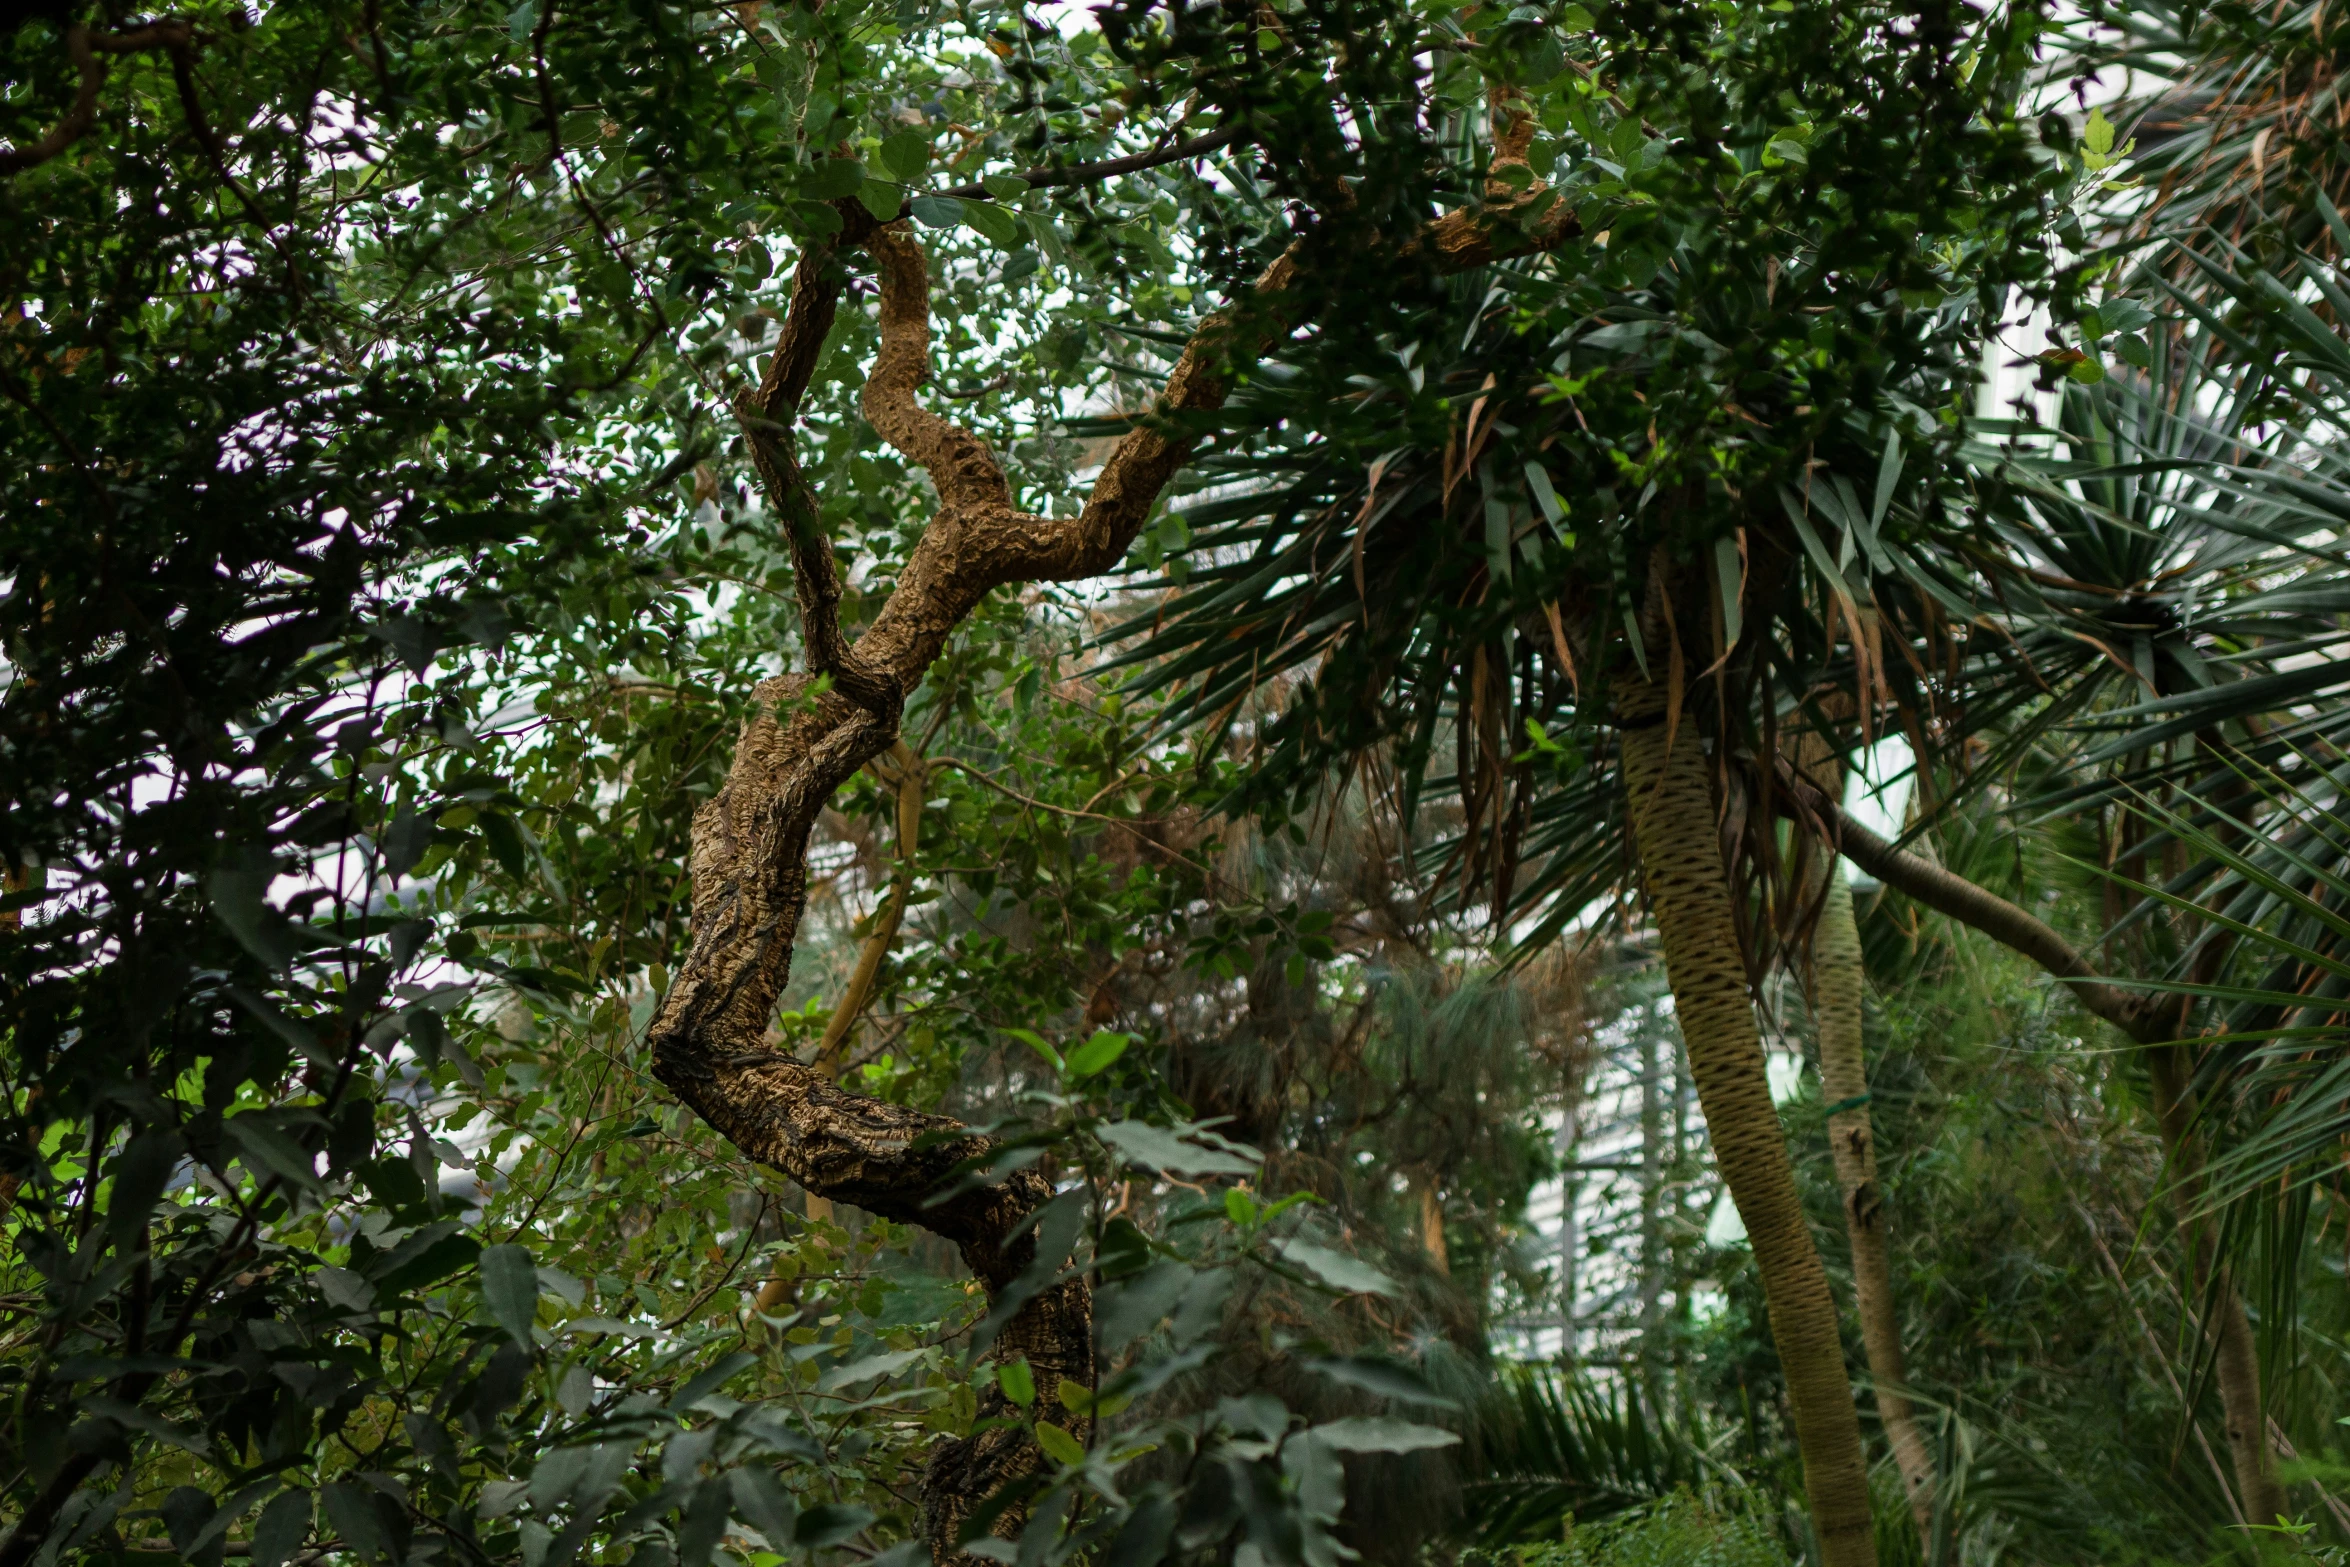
x=384 y=580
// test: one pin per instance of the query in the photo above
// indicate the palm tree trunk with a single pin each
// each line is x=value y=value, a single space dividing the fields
x=1679 y=847
x=1836 y=986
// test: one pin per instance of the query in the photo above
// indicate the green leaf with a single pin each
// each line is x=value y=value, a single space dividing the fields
x=1074 y=1395
x=1004 y=187
x=1018 y=1384
x=1240 y=1207
x=887 y=1364
x=905 y=155
x=140 y=1172
x=1888 y=476
x=282 y=1527
x=830 y=1524
x=1383 y=1377
x=2098 y=134
x=705 y=1521
x=1063 y=1447
x=763 y=1499
x=510 y=1288
x=815 y=219
x=1268 y=41
x=1381 y=1434
x=503 y=836
x=1097 y=1054
x=267 y=1150
x=829 y=179
x=992 y=223
x=2088 y=372
x=1338 y=1270
x=1545 y=496
x=712 y=1379
x=1036 y=1042
x=1157 y=1148
x=882 y=199
x=1729 y=579
x=938 y=212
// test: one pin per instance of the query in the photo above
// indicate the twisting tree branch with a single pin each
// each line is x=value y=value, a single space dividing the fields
x=1109 y=168
x=86 y=49
x=766 y=417
x=708 y=1040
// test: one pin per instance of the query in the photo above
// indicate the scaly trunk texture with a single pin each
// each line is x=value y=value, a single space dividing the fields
x=1837 y=989
x=2151 y=1020
x=1679 y=845
x=709 y=1040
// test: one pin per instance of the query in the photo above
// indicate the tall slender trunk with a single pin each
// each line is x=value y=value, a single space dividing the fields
x=1432 y=1225
x=1679 y=846
x=1836 y=1006
x=2152 y=1022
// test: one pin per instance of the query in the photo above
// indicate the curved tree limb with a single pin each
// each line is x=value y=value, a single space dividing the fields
x=84 y=48
x=708 y=1039
x=1924 y=882
x=1107 y=168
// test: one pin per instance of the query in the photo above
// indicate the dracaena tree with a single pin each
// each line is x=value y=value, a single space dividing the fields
x=1594 y=525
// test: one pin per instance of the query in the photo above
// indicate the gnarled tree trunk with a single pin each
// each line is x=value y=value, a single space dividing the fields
x=1678 y=840
x=708 y=1039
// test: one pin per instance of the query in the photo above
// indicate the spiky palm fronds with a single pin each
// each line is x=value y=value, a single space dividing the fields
x=2241 y=118
x=1552 y=1448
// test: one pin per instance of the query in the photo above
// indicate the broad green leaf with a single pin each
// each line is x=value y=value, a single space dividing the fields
x=1156 y=1148
x=281 y=1529
x=830 y=1524
x=829 y=179
x=510 y=1288
x=938 y=212
x=992 y=222
x=1381 y=1434
x=1063 y=1447
x=1338 y=1270
x=905 y=155
x=1097 y=1054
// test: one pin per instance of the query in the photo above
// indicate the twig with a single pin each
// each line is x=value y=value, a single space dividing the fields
x=1108 y=168
x=750 y=1238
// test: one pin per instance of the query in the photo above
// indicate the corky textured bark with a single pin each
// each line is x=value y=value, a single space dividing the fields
x=749 y=858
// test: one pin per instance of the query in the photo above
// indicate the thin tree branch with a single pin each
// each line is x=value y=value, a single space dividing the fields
x=765 y=416
x=1107 y=168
